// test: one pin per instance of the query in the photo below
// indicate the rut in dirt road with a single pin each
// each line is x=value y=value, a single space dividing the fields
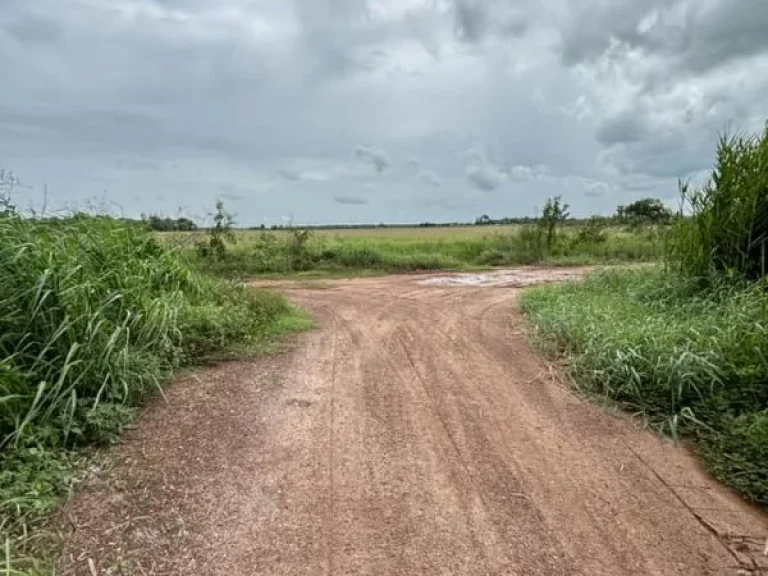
x=414 y=433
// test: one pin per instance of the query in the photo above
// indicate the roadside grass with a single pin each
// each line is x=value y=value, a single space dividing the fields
x=95 y=315
x=692 y=362
x=279 y=253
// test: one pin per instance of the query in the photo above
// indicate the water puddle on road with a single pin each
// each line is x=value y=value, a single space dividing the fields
x=513 y=277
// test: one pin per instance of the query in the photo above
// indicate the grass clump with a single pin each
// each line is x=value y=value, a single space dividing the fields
x=94 y=314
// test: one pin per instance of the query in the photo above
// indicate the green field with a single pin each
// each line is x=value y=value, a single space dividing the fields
x=382 y=250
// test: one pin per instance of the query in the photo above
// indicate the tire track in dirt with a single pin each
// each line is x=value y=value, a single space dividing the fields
x=414 y=433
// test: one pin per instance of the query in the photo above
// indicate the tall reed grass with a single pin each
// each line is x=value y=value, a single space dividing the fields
x=727 y=228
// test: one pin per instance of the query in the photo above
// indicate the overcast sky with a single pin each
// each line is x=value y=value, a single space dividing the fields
x=366 y=111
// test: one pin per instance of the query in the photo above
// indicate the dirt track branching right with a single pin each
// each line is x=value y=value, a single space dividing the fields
x=686 y=344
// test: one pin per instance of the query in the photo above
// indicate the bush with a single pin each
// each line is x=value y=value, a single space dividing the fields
x=593 y=232
x=301 y=257
x=357 y=257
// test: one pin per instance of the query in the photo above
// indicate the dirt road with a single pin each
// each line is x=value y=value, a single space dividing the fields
x=414 y=433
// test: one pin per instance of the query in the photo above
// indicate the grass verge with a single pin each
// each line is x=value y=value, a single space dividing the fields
x=692 y=363
x=94 y=315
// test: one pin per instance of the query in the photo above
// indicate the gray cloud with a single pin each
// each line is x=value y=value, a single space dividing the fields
x=620 y=129
x=692 y=34
x=484 y=177
x=378 y=158
x=136 y=164
x=34 y=29
x=430 y=178
x=475 y=20
x=596 y=190
x=290 y=174
x=270 y=97
x=471 y=19
x=350 y=200
x=481 y=172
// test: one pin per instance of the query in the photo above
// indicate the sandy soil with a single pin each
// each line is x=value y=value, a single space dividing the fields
x=414 y=433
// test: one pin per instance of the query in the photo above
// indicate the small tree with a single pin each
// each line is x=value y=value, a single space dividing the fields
x=555 y=212
x=219 y=234
x=8 y=181
x=593 y=232
x=300 y=256
x=645 y=211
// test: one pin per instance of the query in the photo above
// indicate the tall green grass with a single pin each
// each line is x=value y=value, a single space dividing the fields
x=727 y=231
x=94 y=314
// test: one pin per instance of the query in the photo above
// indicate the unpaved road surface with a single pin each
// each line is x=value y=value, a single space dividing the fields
x=414 y=433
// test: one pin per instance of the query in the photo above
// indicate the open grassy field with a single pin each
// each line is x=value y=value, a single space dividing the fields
x=380 y=250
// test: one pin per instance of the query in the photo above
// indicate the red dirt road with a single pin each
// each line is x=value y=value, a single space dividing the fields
x=414 y=433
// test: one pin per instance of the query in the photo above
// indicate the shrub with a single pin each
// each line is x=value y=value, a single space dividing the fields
x=593 y=232
x=648 y=211
x=357 y=257
x=299 y=251
x=218 y=235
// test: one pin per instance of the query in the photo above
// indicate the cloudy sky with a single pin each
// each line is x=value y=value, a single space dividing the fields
x=316 y=111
